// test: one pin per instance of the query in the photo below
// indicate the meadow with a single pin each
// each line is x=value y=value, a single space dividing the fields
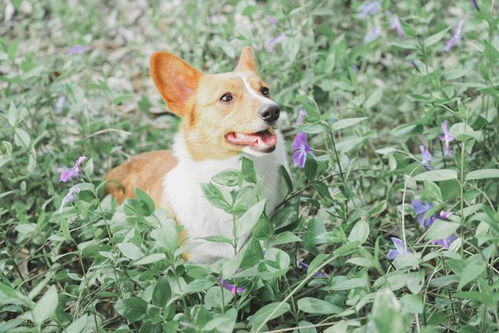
x=391 y=222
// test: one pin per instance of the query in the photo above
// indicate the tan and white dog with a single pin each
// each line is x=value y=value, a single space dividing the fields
x=224 y=116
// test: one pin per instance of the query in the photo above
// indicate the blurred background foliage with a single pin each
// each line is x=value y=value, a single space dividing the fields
x=74 y=81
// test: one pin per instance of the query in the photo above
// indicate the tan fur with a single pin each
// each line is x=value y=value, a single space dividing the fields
x=145 y=171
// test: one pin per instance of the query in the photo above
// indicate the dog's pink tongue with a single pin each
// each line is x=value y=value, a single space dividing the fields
x=261 y=140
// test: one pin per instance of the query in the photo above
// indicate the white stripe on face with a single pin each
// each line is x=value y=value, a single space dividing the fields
x=253 y=93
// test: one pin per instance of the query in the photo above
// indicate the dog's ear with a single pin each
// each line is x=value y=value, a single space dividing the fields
x=175 y=80
x=246 y=60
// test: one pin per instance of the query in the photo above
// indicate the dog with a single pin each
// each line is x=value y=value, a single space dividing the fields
x=223 y=117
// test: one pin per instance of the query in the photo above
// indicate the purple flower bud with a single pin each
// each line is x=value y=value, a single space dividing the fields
x=369 y=8
x=230 y=287
x=446 y=138
x=78 y=49
x=455 y=38
x=426 y=157
x=269 y=45
x=372 y=34
x=446 y=242
x=71 y=196
x=272 y=20
x=395 y=25
x=301 y=116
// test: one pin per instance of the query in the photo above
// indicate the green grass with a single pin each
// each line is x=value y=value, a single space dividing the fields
x=93 y=266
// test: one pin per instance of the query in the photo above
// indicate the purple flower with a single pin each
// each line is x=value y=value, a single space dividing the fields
x=300 y=149
x=78 y=49
x=369 y=8
x=426 y=157
x=395 y=25
x=69 y=197
x=269 y=45
x=455 y=38
x=319 y=274
x=446 y=138
x=272 y=20
x=446 y=242
x=372 y=34
x=475 y=4
x=73 y=172
x=230 y=287
x=399 y=250
x=421 y=208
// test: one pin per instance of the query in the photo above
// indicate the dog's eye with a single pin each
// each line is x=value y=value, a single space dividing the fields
x=226 y=98
x=265 y=91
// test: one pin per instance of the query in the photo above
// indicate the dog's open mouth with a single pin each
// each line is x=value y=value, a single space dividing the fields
x=262 y=141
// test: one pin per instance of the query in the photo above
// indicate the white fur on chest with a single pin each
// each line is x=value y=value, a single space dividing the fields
x=183 y=194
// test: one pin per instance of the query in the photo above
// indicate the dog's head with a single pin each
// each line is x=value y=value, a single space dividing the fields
x=222 y=114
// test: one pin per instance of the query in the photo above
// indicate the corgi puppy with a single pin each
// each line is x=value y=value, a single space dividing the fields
x=223 y=117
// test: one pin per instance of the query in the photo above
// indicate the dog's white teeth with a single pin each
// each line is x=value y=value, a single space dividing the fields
x=271 y=130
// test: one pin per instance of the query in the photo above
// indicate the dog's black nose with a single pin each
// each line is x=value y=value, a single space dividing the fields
x=270 y=113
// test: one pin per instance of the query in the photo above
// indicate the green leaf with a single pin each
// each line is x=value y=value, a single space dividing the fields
x=277 y=309
x=285 y=238
x=22 y=138
x=226 y=178
x=437 y=175
x=406 y=44
x=310 y=128
x=135 y=308
x=412 y=304
x=415 y=281
x=386 y=312
x=150 y=259
x=215 y=196
x=291 y=47
x=165 y=235
x=347 y=284
x=130 y=250
x=146 y=200
x=218 y=239
x=433 y=39
x=284 y=173
x=248 y=170
x=483 y=174
x=161 y=293
x=78 y=325
x=222 y=323
x=310 y=168
x=348 y=122
x=317 y=306
x=374 y=98
x=360 y=232
x=45 y=307
x=441 y=229
x=246 y=222
x=471 y=271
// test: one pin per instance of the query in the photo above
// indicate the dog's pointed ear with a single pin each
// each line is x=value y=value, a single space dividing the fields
x=175 y=80
x=246 y=60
